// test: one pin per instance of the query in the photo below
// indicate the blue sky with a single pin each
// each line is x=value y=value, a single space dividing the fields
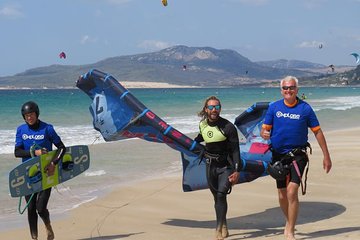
x=34 y=32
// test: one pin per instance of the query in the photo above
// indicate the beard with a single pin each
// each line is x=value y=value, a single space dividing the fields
x=213 y=116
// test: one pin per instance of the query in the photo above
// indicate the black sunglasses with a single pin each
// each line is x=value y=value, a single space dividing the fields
x=288 y=87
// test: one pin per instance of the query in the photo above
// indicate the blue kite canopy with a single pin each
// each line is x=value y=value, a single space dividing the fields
x=117 y=114
x=255 y=154
x=249 y=119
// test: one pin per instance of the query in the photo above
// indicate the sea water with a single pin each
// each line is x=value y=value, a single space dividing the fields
x=68 y=111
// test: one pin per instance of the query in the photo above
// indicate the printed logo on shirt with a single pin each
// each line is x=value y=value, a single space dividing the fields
x=287 y=115
x=210 y=134
x=32 y=137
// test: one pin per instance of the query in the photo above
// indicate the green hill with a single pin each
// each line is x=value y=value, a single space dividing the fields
x=181 y=65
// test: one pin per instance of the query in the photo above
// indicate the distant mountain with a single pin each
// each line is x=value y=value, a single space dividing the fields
x=182 y=65
x=291 y=64
x=350 y=77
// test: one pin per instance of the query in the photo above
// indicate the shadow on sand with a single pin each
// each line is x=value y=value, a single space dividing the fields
x=271 y=221
x=110 y=237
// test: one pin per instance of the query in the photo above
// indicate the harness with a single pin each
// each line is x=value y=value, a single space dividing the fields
x=292 y=158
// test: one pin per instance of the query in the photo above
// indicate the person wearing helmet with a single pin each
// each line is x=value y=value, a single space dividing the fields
x=286 y=124
x=223 y=158
x=35 y=132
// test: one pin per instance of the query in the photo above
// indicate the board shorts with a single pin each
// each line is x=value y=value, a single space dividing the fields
x=301 y=160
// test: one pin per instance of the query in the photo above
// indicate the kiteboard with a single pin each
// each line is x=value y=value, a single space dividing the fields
x=30 y=176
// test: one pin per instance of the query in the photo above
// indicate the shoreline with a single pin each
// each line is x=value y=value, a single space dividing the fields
x=157 y=208
x=130 y=85
x=126 y=84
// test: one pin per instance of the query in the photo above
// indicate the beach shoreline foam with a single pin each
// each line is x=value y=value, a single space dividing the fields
x=126 y=84
x=157 y=208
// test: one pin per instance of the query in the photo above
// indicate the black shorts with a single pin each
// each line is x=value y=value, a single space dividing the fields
x=302 y=160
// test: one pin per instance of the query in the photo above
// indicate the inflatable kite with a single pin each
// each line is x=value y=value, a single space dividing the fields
x=62 y=55
x=255 y=153
x=356 y=56
x=117 y=115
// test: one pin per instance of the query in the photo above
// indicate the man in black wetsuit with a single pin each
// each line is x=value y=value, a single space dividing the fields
x=36 y=132
x=223 y=158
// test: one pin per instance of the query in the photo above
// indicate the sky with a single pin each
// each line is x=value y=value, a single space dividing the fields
x=33 y=33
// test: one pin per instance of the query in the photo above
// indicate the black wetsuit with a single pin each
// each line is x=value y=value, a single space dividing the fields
x=39 y=201
x=222 y=141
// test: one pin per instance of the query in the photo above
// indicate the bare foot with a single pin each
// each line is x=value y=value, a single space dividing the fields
x=224 y=231
x=218 y=235
x=290 y=236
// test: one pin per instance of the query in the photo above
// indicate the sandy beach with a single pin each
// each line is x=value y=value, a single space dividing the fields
x=159 y=209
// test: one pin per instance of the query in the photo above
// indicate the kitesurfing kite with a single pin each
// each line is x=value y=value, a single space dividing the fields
x=117 y=115
x=62 y=55
x=357 y=58
x=255 y=154
x=320 y=46
x=164 y=2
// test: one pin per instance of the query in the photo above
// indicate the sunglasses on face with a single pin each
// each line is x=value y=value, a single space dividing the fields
x=211 y=107
x=288 y=87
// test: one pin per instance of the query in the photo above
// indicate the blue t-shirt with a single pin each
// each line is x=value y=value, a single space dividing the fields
x=44 y=136
x=290 y=125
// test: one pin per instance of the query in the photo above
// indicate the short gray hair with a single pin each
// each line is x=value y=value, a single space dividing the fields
x=288 y=79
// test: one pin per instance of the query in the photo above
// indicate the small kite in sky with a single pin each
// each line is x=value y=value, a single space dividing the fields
x=356 y=57
x=62 y=55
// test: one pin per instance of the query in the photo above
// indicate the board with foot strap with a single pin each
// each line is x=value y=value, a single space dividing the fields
x=31 y=177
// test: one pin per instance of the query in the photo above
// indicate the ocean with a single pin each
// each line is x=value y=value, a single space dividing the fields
x=68 y=111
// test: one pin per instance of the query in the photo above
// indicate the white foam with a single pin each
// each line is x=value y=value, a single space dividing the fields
x=86 y=134
x=336 y=103
x=85 y=201
x=95 y=173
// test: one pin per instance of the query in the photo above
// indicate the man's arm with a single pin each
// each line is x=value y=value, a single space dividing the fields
x=61 y=149
x=20 y=152
x=199 y=138
x=319 y=135
x=265 y=134
x=235 y=152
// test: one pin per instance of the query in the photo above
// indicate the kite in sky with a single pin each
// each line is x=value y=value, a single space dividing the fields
x=62 y=55
x=357 y=58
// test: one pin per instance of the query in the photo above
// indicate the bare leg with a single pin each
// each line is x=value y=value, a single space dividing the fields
x=289 y=204
x=293 y=209
x=284 y=205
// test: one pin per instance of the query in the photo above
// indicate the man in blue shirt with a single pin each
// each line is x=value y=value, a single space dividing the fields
x=286 y=125
x=43 y=135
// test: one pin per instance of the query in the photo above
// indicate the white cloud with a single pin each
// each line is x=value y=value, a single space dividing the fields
x=254 y=2
x=87 y=39
x=310 y=44
x=315 y=4
x=118 y=2
x=11 y=12
x=154 y=45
